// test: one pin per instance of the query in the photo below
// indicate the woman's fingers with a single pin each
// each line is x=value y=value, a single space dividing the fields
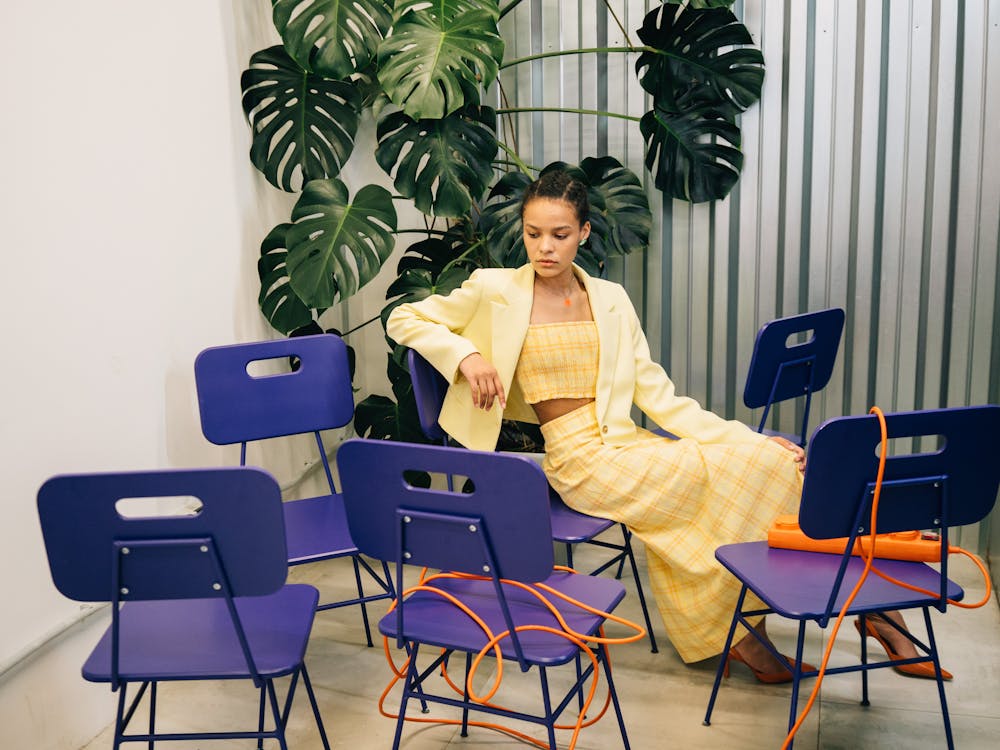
x=486 y=390
x=484 y=381
x=800 y=454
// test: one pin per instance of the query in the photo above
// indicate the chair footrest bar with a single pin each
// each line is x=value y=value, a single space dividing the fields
x=352 y=602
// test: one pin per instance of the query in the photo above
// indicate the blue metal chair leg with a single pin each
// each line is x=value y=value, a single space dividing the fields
x=638 y=588
x=465 y=696
x=940 y=680
x=152 y=713
x=411 y=676
x=725 y=656
x=315 y=708
x=796 y=678
x=547 y=705
x=260 y=717
x=361 y=596
x=864 y=661
x=614 y=695
x=119 y=717
x=279 y=725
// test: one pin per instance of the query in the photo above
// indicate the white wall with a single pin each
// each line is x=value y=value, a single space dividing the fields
x=131 y=220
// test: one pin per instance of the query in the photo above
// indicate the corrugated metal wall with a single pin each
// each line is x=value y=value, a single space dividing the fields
x=871 y=182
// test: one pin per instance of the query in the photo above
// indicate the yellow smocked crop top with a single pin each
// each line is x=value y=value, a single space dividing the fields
x=558 y=360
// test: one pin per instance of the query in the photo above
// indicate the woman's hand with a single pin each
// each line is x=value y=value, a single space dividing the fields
x=800 y=455
x=485 y=381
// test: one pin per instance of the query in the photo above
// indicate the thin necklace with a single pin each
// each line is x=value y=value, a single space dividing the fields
x=566 y=298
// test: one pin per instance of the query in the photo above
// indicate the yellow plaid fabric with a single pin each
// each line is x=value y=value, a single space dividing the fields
x=682 y=499
x=558 y=360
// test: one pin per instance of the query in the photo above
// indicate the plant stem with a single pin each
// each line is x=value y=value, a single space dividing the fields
x=562 y=52
x=474 y=246
x=568 y=110
x=426 y=230
x=359 y=327
x=513 y=154
x=621 y=26
x=508 y=8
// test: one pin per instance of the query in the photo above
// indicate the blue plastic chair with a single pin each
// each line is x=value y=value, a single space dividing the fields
x=948 y=485
x=193 y=597
x=780 y=371
x=237 y=407
x=499 y=530
x=569 y=527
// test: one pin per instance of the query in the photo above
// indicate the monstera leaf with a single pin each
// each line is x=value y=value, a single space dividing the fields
x=303 y=125
x=710 y=3
x=619 y=217
x=700 y=77
x=439 y=8
x=625 y=210
x=437 y=57
x=692 y=156
x=334 y=38
x=443 y=165
x=435 y=254
x=415 y=284
x=687 y=53
x=337 y=246
x=278 y=301
x=501 y=220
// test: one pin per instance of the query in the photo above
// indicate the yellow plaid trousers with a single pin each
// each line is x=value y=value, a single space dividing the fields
x=682 y=499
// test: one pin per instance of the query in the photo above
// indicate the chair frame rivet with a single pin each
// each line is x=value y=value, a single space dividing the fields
x=123 y=591
x=407 y=519
x=217 y=586
x=125 y=550
x=486 y=568
x=203 y=548
x=407 y=555
x=472 y=528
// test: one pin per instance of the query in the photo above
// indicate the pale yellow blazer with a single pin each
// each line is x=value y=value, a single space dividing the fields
x=489 y=314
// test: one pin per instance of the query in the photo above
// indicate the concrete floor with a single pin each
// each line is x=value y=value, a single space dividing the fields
x=663 y=699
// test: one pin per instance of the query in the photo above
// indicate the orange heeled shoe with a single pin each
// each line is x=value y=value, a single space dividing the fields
x=768 y=678
x=924 y=670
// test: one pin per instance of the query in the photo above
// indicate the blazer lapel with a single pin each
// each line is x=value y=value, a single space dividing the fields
x=511 y=315
x=608 y=321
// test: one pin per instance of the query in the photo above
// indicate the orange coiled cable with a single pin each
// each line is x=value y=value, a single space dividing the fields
x=869 y=557
x=493 y=646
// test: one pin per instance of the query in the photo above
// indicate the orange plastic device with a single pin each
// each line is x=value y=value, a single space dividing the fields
x=901 y=545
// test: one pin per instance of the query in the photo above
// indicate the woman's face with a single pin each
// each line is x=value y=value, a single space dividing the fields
x=552 y=234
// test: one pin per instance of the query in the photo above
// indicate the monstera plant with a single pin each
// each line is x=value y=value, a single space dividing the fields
x=419 y=68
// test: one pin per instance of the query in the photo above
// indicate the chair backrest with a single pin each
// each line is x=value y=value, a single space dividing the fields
x=429 y=388
x=779 y=370
x=952 y=482
x=502 y=524
x=238 y=407
x=101 y=549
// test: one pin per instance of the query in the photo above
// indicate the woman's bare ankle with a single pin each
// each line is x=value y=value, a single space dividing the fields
x=900 y=644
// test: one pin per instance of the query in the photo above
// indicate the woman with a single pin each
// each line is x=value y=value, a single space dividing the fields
x=547 y=343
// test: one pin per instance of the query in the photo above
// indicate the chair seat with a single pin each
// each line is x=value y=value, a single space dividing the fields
x=195 y=638
x=797 y=584
x=433 y=620
x=316 y=529
x=570 y=526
